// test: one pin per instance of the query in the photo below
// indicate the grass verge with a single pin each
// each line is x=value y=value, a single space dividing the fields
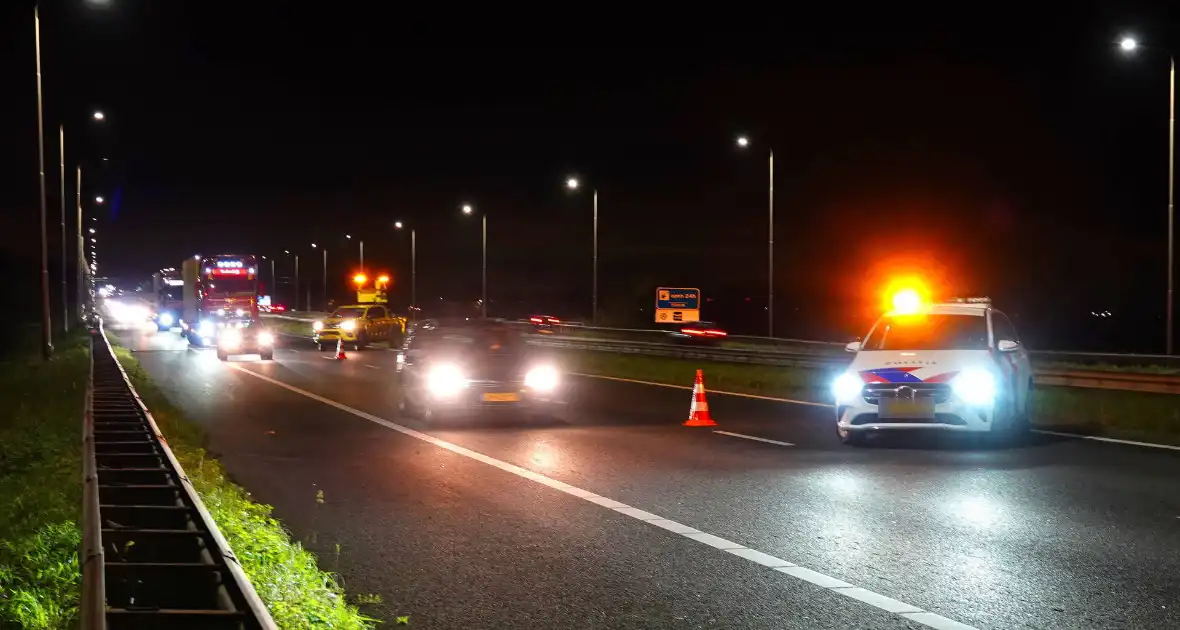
x=41 y=485
x=1140 y=416
x=297 y=592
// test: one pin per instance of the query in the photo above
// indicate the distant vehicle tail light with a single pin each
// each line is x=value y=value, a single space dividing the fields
x=536 y=320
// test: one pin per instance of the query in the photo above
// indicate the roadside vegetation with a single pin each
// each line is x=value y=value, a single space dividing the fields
x=285 y=575
x=1142 y=416
x=41 y=483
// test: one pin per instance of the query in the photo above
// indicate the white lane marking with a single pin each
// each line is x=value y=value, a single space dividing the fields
x=755 y=438
x=709 y=391
x=1097 y=438
x=372 y=366
x=875 y=600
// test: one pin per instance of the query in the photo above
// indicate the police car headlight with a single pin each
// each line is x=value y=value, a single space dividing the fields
x=847 y=387
x=266 y=338
x=975 y=386
x=205 y=329
x=348 y=325
x=542 y=378
x=445 y=380
x=230 y=337
x=165 y=319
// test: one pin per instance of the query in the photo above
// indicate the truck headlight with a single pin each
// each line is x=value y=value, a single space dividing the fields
x=348 y=325
x=975 y=386
x=266 y=338
x=317 y=325
x=230 y=337
x=541 y=379
x=445 y=380
x=847 y=386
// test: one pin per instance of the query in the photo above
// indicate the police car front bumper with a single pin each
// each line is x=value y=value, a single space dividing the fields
x=952 y=414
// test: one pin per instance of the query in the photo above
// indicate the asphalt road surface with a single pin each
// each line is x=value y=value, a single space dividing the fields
x=619 y=517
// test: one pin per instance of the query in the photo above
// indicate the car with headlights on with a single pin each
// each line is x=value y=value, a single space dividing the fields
x=477 y=367
x=355 y=325
x=955 y=366
x=244 y=336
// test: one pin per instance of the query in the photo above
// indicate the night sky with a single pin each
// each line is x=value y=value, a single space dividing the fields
x=1007 y=154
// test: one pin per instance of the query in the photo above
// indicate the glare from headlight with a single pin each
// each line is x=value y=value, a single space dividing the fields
x=221 y=311
x=348 y=325
x=240 y=312
x=266 y=338
x=317 y=325
x=205 y=329
x=230 y=337
x=975 y=386
x=165 y=319
x=542 y=379
x=445 y=380
x=847 y=387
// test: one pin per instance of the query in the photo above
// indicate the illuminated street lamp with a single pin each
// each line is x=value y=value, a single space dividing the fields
x=1129 y=45
x=573 y=183
x=742 y=143
x=483 y=303
x=362 y=244
x=99 y=200
x=99 y=116
x=325 y=250
x=413 y=266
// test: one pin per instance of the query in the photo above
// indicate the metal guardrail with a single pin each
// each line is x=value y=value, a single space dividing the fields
x=152 y=555
x=1123 y=381
x=831 y=355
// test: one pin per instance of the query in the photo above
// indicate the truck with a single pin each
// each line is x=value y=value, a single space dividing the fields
x=221 y=305
x=167 y=298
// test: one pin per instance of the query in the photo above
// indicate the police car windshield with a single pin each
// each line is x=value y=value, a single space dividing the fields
x=350 y=313
x=930 y=332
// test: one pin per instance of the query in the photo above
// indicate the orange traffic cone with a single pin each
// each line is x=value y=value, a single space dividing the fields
x=340 y=356
x=698 y=412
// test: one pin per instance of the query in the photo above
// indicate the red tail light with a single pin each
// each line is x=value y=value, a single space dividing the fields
x=535 y=320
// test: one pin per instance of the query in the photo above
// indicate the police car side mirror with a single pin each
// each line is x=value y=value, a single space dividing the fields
x=1006 y=345
x=853 y=346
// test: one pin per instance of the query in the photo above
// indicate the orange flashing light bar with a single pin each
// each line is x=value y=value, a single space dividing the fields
x=360 y=279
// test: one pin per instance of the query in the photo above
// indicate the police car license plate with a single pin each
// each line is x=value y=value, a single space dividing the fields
x=507 y=397
x=906 y=408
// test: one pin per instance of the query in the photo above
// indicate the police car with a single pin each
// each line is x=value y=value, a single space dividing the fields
x=956 y=366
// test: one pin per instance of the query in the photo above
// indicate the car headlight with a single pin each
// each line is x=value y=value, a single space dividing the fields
x=230 y=337
x=205 y=329
x=847 y=386
x=240 y=312
x=542 y=379
x=266 y=338
x=348 y=325
x=165 y=319
x=221 y=311
x=975 y=386
x=445 y=380
x=317 y=325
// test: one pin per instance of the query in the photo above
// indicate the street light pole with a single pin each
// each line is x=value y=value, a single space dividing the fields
x=1171 y=187
x=594 y=288
x=770 y=255
x=413 y=272
x=65 y=300
x=81 y=245
x=483 y=304
x=46 y=323
x=325 y=279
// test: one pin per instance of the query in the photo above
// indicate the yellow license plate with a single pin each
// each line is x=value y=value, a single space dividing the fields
x=509 y=397
x=900 y=408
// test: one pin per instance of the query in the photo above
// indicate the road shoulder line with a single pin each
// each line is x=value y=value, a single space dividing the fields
x=752 y=437
x=876 y=600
